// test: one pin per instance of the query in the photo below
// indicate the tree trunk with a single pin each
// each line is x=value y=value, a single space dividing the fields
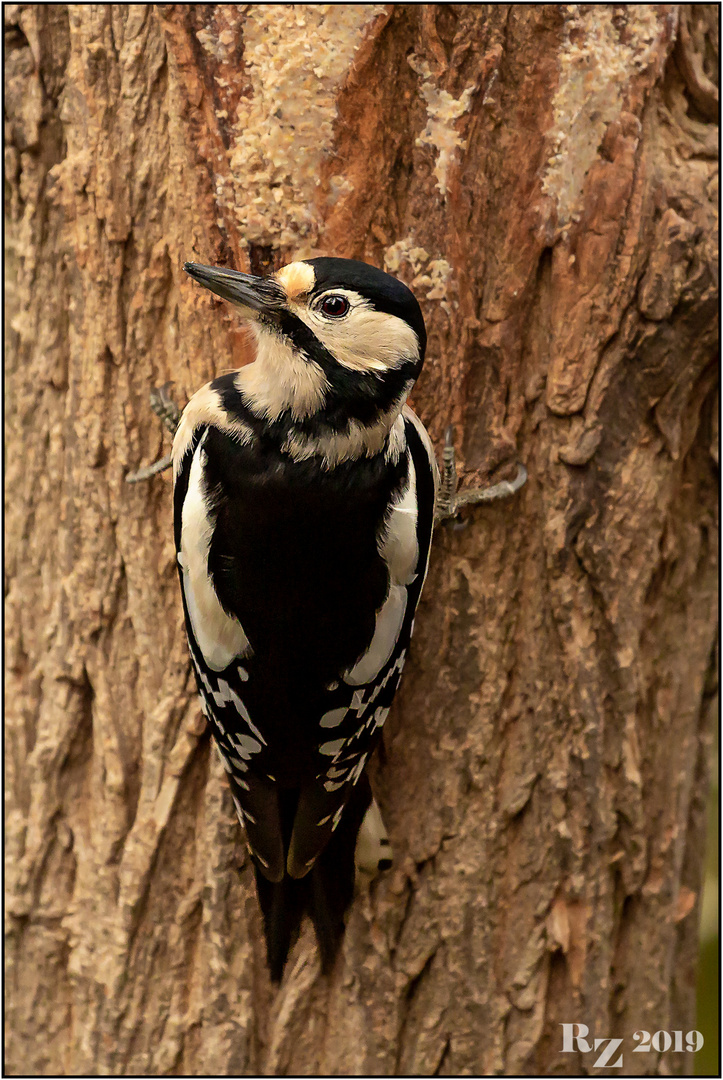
x=545 y=179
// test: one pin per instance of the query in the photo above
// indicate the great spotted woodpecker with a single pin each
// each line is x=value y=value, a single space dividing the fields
x=304 y=500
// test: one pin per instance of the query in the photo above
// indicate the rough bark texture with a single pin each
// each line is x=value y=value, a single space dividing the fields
x=546 y=179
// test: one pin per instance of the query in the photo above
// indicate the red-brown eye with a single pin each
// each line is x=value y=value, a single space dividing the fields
x=335 y=306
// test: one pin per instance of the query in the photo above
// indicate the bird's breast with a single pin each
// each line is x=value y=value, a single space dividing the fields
x=295 y=556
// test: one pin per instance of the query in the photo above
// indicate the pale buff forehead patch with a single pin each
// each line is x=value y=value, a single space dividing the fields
x=296 y=278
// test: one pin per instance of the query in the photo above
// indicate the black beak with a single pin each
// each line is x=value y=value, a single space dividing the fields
x=261 y=295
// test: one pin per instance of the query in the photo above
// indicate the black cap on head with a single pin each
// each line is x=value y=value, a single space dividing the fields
x=385 y=292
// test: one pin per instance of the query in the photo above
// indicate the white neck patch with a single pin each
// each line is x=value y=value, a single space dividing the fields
x=280 y=378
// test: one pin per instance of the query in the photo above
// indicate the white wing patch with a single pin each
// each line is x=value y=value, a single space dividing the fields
x=399 y=548
x=412 y=417
x=220 y=637
x=332 y=748
x=386 y=632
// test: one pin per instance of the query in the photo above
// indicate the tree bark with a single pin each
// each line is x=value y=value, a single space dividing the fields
x=545 y=178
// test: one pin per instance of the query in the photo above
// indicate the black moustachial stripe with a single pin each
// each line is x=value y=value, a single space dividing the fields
x=352 y=395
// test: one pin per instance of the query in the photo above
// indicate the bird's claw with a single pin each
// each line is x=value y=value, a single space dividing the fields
x=450 y=501
x=165 y=407
x=168 y=412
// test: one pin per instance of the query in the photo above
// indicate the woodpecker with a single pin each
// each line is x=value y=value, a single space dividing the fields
x=304 y=501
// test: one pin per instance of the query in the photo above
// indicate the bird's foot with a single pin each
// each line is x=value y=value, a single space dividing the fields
x=169 y=414
x=165 y=407
x=450 y=501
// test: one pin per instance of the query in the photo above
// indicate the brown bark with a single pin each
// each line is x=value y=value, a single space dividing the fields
x=545 y=177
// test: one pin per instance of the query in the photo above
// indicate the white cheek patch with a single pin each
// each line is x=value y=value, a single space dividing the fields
x=373 y=340
x=366 y=339
x=219 y=636
x=386 y=632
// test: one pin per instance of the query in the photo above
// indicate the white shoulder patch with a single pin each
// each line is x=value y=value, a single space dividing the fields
x=397 y=443
x=410 y=415
x=390 y=618
x=205 y=407
x=219 y=636
x=398 y=546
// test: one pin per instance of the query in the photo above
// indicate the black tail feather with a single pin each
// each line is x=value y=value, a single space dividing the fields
x=325 y=893
x=282 y=904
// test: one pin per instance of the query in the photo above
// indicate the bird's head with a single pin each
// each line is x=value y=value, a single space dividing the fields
x=334 y=336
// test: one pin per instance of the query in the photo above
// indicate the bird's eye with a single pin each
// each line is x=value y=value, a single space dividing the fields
x=335 y=306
